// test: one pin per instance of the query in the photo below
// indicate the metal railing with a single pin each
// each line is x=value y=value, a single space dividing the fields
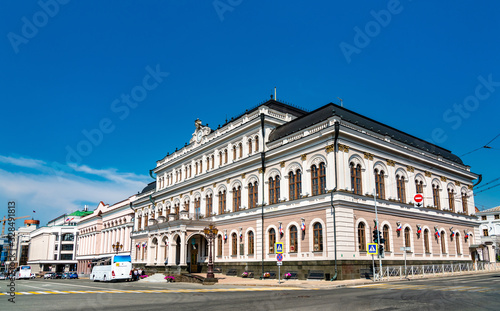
x=421 y=271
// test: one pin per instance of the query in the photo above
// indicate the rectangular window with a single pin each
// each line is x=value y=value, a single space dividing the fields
x=483 y=217
x=497 y=216
x=66 y=247
x=485 y=232
x=66 y=256
x=56 y=247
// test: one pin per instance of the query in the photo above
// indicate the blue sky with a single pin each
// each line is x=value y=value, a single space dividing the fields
x=133 y=76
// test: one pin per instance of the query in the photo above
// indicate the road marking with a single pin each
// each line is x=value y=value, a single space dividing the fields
x=172 y=291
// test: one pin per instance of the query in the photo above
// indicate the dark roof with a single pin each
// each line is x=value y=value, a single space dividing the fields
x=149 y=187
x=275 y=105
x=323 y=113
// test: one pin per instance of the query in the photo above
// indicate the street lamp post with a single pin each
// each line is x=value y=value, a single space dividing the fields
x=210 y=233
x=117 y=247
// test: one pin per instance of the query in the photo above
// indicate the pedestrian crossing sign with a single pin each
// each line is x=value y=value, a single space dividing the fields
x=372 y=248
x=279 y=248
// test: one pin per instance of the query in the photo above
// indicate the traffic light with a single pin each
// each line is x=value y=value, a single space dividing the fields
x=381 y=250
x=375 y=236
x=381 y=238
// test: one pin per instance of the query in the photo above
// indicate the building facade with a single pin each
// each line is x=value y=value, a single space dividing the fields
x=279 y=174
x=489 y=230
x=52 y=248
x=104 y=232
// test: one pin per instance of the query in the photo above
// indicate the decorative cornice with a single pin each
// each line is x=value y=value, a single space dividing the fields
x=368 y=156
x=457 y=183
x=443 y=178
x=391 y=162
x=261 y=170
x=330 y=148
x=410 y=168
x=470 y=187
x=303 y=157
x=343 y=148
x=243 y=176
x=282 y=164
x=427 y=174
x=228 y=180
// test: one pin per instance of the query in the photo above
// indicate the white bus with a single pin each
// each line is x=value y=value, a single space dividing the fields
x=110 y=268
x=22 y=272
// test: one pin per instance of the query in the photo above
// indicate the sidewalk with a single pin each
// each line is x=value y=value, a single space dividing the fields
x=239 y=281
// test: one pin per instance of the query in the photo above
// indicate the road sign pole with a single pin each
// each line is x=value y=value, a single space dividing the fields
x=373 y=264
x=279 y=274
x=378 y=229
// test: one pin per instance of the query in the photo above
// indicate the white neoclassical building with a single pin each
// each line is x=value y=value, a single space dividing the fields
x=272 y=175
x=106 y=231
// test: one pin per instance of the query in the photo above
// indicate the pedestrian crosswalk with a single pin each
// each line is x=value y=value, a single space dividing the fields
x=430 y=287
x=151 y=291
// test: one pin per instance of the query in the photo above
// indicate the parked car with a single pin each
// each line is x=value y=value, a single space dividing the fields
x=73 y=275
x=65 y=275
x=47 y=275
x=56 y=275
x=33 y=276
x=3 y=276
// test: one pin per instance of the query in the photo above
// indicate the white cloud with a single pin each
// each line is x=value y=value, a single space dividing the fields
x=51 y=195
x=22 y=162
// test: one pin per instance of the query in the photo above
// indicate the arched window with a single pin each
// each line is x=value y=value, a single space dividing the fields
x=435 y=195
x=426 y=241
x=407 y=238
x=240 y=146
x=420 y=186
x=201 y=166
x=234 y=239
x=274 y=189
x=249 y=146
x=252 y=195
x=380 y=184
x=318 y=179
x=443 y=242
x=139 y=223
x=256 y=143
x=385 y=235
x=464 y=202
x=294 y=185
x=293 y=239
x=225 y=156
x=196 y=207
x=361 y=237
x=451 y=200
x=219 y=245
x=272 y=240
x=250 y=243
x=222 y=202
x=213 y=161
x=400 y=184
x=209 y=205
x=457 y=243
x=317 y=237
x=236 y=198
x=234 y=152
x=220 y=158
x=356 y=178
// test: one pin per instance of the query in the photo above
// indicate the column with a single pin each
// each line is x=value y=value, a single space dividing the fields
x=306 y=177
x=244 y=194
x=183 y=249
x=330 y=169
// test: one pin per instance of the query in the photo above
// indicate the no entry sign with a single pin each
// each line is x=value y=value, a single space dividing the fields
x=419 y=199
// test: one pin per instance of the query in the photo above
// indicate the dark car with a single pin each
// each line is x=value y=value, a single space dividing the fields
x=57 y=275
x=65 y=275
x=73 y=275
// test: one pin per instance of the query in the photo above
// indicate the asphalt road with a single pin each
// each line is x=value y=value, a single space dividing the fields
x=476 y=292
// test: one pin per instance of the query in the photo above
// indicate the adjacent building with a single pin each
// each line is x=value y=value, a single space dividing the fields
x=280 y=174
x=489 y=229
x=53 y=247
x=104 y=232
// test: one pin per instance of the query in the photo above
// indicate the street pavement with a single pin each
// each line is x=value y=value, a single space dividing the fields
x=463 y=292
